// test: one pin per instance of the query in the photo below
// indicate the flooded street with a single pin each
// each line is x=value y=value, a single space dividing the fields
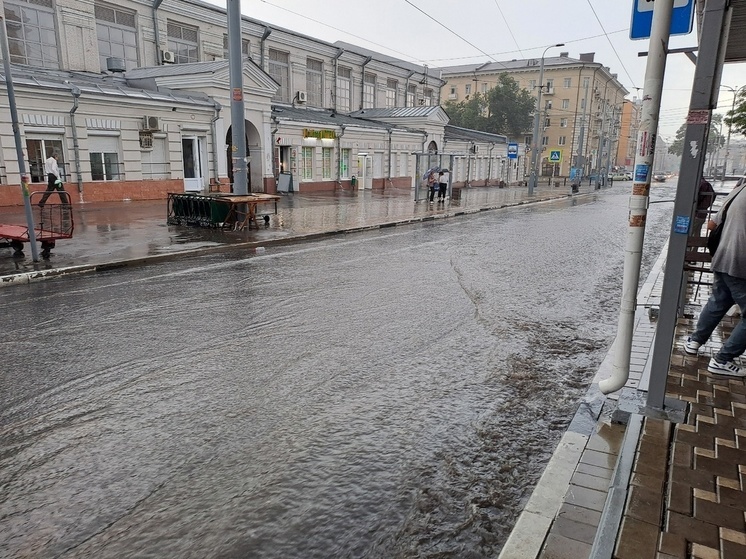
x=388 y=394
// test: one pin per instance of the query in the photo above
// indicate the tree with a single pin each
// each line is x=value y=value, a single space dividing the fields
x=715 y=139
x=505 y=109
x=736 y=118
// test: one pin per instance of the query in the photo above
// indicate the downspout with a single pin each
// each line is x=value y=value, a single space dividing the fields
x=339 y=156
x=406 y=87
x=266 y=34
x=468 y=165
x=76 y=145
x=391 y=184
x=213 y=129
x=335 y=60
x=489 y=166
x=156 y=4
x=362 y=80
x=275 y=169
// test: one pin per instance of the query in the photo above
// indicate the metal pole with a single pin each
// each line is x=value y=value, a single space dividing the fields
x=638 y=202
x=537 y=117
x=713 y=36
x=238 y=124
x=19 y=144
x=727 y=141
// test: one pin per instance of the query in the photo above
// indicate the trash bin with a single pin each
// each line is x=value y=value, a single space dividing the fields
x=353 y=181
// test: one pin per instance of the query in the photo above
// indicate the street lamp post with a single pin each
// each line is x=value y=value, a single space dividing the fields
x=727 y=142
x=537 y=120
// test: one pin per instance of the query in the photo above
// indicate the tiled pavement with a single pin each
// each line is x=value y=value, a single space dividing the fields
x=685 y=497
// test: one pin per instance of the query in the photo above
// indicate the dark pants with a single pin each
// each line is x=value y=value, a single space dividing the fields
x=442 y=189
x=51 y=187
x=432 y=192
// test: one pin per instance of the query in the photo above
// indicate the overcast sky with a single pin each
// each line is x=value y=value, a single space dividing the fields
x=451 y=32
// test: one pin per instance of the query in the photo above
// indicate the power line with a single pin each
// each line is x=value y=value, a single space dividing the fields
x=610 y=43
x=508 y=26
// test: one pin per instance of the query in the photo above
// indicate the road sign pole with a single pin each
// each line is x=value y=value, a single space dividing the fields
x=638 y=202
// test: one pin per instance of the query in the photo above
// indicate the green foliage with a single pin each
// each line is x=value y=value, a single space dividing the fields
x=736 y=118
x=715 y=139
x=505 y=109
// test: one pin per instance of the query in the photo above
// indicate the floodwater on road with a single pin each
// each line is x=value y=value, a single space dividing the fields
x=393 y=393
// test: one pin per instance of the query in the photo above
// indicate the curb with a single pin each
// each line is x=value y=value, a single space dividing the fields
x=41 y=275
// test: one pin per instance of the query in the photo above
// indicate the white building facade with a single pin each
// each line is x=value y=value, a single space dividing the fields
x=135 y=97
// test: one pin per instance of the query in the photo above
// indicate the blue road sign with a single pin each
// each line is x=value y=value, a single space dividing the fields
x=682 y=18
x=512 y=151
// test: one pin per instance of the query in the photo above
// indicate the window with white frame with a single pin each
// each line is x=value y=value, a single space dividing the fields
x=427 y=94
x=391 y=86
x=565 y=103
x=562 y=140
x=548 y=105
x=532 y=84
x=411 y=95
x=155 y=163
x=279 y=70
x=307 y=163
x=563 y=123
x=326 y=162
x=547 y=122
x=545 y=140
x=467 y=89
x=314 y=82
x=117 y=35
x=104 y=158
x=32 y=38
x=344 y=164
x=182 y=41
x=369 y=91
x=549 y=86
x=485 y=87
x=568 y=83
x=586 y=81
x=245 y=47
x=344 y=89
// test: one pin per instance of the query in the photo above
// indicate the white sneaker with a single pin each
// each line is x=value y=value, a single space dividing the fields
x=729 y=368
x=691 y=347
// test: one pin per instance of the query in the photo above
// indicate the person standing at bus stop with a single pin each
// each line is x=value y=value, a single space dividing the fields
x=52 y=170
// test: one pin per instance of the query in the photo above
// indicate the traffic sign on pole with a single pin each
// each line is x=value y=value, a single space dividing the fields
x=682 y=18
x=555 y=156
x=512 y=151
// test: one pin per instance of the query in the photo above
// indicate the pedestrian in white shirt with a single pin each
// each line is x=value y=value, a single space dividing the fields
x=52 y=170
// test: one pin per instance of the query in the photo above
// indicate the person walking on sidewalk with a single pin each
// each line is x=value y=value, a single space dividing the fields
x=442 y=186
x=52 y=170
x=728 y=288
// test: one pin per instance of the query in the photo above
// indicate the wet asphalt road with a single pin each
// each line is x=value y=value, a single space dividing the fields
x=393 y=393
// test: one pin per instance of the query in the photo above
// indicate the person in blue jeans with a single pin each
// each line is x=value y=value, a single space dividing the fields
x=729 y=288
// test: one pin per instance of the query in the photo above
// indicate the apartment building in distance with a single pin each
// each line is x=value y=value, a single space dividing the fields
x=135 y=97
x=581 y=109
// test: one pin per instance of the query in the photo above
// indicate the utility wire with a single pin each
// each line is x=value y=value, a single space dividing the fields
x=444 y=26
x=610 y=43
x=508 y=26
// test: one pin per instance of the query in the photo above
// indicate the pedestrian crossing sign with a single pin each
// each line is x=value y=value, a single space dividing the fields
x=555 y=156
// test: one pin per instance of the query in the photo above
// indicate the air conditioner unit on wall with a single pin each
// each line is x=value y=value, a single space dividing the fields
x=302 y=97
x=151 y=123
x=168 y=57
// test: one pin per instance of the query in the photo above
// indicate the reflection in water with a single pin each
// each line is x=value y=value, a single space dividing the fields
x=394 y=393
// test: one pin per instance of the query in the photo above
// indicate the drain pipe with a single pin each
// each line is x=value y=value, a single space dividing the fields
x=339 y=156
x=266 y=34
x=406 y=87
x=362 y=81
x=213 y=129
x=75 y=90
x=275 y=168
x=489 y=165
x=391 y=184
x=156 y=4
x=335 y=61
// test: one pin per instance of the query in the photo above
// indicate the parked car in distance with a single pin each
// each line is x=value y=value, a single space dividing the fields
x=660 y=177
x=620 y=176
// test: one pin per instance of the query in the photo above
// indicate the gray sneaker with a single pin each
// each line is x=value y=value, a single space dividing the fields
x=729 y=368
x=691 y=347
